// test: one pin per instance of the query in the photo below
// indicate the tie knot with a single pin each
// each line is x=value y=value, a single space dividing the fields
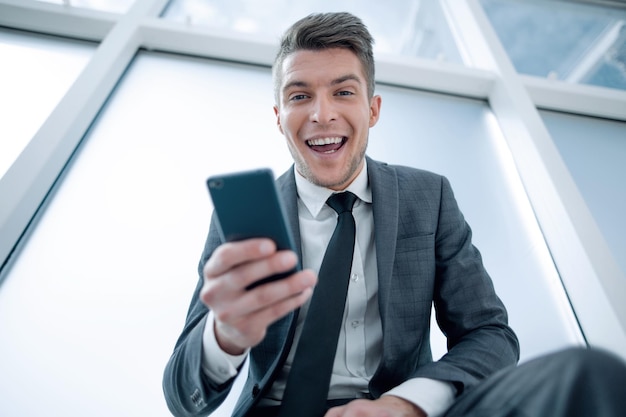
x=341 y=202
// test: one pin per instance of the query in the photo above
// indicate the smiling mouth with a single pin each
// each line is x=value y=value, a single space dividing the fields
x=327 y=145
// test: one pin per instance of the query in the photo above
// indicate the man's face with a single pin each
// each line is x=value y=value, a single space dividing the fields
x=325 y=114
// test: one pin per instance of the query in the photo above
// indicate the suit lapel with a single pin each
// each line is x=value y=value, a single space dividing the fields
x=282 y=331
x=385 y=209
x=287 y=187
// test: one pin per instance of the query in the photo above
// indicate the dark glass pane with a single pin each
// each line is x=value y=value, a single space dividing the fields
x=579 y=43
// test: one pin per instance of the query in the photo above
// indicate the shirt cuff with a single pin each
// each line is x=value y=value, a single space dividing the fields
x=431 y=395
x=218 y=365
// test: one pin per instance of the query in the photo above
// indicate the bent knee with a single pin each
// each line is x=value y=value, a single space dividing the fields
x=594 y=361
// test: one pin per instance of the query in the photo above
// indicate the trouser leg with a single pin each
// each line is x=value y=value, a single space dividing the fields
x=570 y=383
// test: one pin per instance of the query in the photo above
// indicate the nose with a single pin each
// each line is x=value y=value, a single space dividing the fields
x=323 y=110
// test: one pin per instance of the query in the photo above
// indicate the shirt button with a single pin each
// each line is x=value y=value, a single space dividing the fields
x=355 y=324
x=354 y=277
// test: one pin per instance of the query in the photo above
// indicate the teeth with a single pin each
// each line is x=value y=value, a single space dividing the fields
x=324 y=141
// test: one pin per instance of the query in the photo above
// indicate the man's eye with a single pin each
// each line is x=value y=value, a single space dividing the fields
x=345 y=93
x=298 y=97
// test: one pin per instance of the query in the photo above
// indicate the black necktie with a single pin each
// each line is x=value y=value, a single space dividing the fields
x=307 y=384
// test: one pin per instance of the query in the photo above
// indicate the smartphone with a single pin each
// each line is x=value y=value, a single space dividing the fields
x=247 y=205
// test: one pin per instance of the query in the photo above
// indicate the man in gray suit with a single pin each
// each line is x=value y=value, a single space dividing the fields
x=413 y=250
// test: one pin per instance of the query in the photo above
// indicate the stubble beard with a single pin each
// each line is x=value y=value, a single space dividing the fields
x=353 y=166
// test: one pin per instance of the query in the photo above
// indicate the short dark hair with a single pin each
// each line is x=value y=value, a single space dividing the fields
x=320 y=31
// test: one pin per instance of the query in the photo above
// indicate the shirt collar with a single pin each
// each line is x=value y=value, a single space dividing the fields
x=314 y=197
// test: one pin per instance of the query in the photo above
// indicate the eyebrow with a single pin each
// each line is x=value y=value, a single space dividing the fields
x=336 y=81
x=348 y=77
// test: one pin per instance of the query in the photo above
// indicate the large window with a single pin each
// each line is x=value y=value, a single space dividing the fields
x=130 y=105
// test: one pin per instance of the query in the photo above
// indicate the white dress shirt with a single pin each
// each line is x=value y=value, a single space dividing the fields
x=360 y=341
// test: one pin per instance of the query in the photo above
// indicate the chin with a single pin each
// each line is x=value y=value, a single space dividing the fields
x=325 y=176
x=322 y=181
x=334 y=183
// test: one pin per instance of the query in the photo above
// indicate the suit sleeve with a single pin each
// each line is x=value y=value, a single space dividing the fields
x=467 y=309
x=188 y=391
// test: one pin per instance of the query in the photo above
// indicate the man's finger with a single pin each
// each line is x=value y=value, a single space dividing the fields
x=231 y=254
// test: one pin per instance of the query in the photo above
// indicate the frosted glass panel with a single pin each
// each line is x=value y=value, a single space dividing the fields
x=96 y=299
x=594 y=151
x=35 y=73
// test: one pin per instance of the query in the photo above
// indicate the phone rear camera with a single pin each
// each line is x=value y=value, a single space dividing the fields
x=216 y=184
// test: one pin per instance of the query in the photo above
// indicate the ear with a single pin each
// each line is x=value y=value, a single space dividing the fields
x=277 y=114
x=375 y=103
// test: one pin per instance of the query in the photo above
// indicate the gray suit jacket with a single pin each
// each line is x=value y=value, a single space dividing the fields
x=424 y=255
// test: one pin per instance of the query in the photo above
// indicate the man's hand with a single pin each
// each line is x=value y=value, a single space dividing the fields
x=243 y=316
x=386 y=406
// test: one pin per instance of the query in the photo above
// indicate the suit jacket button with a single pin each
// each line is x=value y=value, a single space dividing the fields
x=256 y=390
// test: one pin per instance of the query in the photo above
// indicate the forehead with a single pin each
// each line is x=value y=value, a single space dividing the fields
x=321 y=66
